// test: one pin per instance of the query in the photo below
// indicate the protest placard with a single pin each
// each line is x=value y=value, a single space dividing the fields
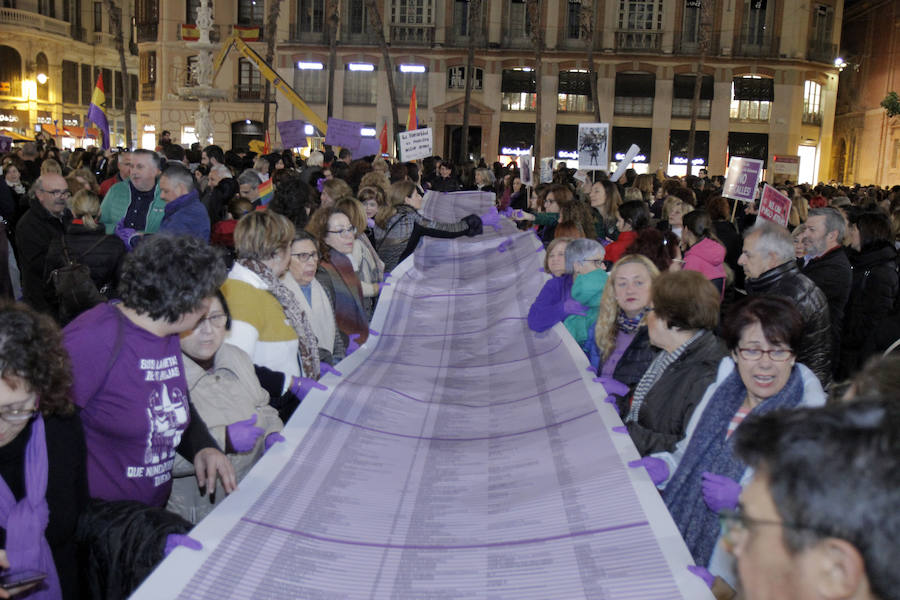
x=546 y=170
x=526 y=170
x=593 y=146
x=345 y=134
x=416 y=144
x=774 y=206
x=293 y=133
x=623 y=164
x=744 y=175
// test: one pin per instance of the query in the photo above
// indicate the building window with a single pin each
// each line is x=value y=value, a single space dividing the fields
x=87 y=84
x=98 y=17
x=190 y=10
x=461 y=18
x=690 y=25
x=757 y=29
x=312 y=82
x=47 y=8
x=360 y=86
x=574 y=92
x=69 y=82
x=190 y=78
x=412 y=12
x=118 y=100
x=456 y=79
x=519 y=25
x=640 y=24
x=311 y=16
x=146 y=18
x=518 y=89
x=634 y=94
x=250 y=12
x=359 y=17
x=751 y=98
x=573 y=19
x=148 y=75
x=683 y=96
x=404 y=82
x=249 y=81
x=812 y=103
x=821 y=46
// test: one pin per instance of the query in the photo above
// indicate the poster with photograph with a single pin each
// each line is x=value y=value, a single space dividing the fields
x=526 y=170
x=593 y=146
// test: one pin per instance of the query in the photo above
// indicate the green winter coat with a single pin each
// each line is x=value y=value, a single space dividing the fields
x=118 y=199
x=587 y=289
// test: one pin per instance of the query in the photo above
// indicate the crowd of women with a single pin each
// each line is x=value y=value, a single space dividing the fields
x=125 y=428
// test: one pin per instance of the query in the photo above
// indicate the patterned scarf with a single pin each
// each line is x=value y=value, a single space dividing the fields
x=659 y=365
x=710 y=450
x=309 y=346
x=348 y=300
x=628 y=325
x=26 y=520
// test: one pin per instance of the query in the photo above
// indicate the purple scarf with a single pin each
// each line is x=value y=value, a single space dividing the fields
x=26 y=520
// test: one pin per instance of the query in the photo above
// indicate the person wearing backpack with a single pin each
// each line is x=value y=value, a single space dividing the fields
x=85 y=243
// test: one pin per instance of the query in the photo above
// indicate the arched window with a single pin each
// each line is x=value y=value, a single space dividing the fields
x=42 y=71
x=10 y=72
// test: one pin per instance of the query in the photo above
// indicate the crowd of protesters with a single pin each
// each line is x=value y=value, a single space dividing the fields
x=223 y=285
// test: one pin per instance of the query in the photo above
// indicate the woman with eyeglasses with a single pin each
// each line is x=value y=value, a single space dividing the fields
x=315 y=295
x=554 y=302
x=268 y=323
x=366 y=263
x=228 y=397
x=335 y=236
x=584 y=259
x=43 y=489
x=683 y=315
x=702 y=475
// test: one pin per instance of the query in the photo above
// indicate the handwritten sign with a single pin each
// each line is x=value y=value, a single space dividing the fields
x=744 y=175
x=774 y=206
x=416 y=144
x=345 y=134
x=293 y=133
x=368 y=147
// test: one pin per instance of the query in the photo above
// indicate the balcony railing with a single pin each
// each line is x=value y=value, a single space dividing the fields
x=215 y=34
x=147 y=32
x=812 y=118
x=308 y=37
x=413 y=35
x=148 y=91
x=821 y=52
x=32 y=20
x=638 y=40
x=365 y=38
x=248 y=92
x=683 y=46
x=756 y=45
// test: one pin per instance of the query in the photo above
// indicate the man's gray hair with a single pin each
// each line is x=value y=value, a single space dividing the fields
x=834 y=220
x=157 y=161
x=580 y=250
x=221 y=169
x=774 y=239
x=316 y=159
x=179 y=174
x=249 y=177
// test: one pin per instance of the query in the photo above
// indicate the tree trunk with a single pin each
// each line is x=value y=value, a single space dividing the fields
x=536 y=18
x=115 y=22
x=703 y=42
x=271 y=30
x=333 y=23
x=378 y=25
x=475 y=29
x=593 y=38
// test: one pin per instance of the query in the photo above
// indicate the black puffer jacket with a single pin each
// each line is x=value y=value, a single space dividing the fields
x=834 y=276
x=787 y=281
x=103 y=259
x=668 y=406
x=34 y=232
x=872 y=297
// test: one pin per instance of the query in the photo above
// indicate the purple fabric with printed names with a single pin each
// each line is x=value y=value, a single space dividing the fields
x=463 y=457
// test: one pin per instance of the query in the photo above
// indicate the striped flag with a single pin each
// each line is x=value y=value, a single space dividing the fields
x=265 y=192
x=411 y=121
x=97 y=111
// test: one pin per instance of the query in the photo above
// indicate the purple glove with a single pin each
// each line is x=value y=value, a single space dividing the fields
x=491 y=219
x=612 y=386
x=620 y=429
x=507 y=212
x=126 y=234
x=373 y=332
x=243 y=434
x=504 y=245
x=656 y=468
x=326 y=368
x=611 y=400
x=173 y=540
x=370 y=223
x=701 y=572
x=387 y=274
x=352 y=346
x=574 y=307
x=720 y=492
x=272 y=439
x=517 y=215
x=300 y=386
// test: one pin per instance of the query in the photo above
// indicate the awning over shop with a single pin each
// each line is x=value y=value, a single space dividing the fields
x=16 y=136
x=624 y=137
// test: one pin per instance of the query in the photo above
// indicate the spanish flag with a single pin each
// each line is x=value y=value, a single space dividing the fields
x=247 y=33
x=97 y=111
x=384 y=139
x=411 y=121
x=190 y=33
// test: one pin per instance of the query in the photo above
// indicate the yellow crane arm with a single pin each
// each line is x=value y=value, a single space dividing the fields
x=271 y=75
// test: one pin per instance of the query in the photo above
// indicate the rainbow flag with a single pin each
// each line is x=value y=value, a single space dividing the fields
x=265 y=192
x=97 y=111
x=411 y=121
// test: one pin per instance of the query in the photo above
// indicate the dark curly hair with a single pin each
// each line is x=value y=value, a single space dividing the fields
x=169 y=276
x=31 y=349
x=294 y=199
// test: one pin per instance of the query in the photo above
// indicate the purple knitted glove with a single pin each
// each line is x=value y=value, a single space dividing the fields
x=491 y=219
x=720 y=492
x=574 y=307
x=611 y=400
x=173 y=540
x=300 y=386
x=272 y=439
x=352 y=345
x=656 y=468
x=507 y=212
x=326 y=368
x=243 y=434
x=612 y=386
x=620 y=429
x=126 y=234
x=701 y=572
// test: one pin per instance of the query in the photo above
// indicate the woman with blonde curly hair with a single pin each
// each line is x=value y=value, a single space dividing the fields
x=620 y=347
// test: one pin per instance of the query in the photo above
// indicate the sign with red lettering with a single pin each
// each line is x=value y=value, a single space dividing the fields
x=774 y=206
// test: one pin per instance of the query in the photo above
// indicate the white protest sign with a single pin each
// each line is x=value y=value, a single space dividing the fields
x=416 y=144
x=546 y=170
x=623 y=164
x=593 y=146
x=526 y=170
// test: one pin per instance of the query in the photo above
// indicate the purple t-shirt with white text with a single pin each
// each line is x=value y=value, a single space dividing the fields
x=133 y=416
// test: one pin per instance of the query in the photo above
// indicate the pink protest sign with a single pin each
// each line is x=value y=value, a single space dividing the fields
x=774 y=206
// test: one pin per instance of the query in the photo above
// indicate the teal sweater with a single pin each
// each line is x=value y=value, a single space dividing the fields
x=116 y=202
x=587 y=289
